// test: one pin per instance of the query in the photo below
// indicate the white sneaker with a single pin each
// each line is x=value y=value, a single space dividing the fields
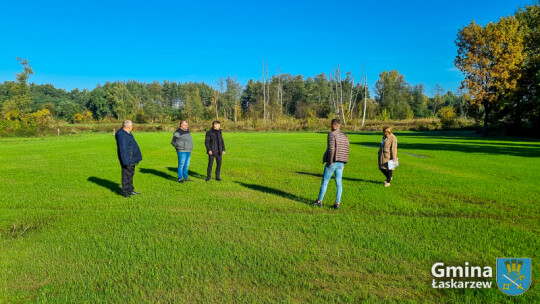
x=386 y=184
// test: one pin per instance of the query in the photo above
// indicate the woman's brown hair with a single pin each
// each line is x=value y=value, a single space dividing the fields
x=387 y=130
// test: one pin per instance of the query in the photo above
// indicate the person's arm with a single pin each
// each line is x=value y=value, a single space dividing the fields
x=223 y=142
x=394 y=149
x=331 y=148
x=174 y=140
x=207 y=144
x=123 y=145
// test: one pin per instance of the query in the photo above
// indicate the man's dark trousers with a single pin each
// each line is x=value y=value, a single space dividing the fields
x=211 y=163
x=127 y=179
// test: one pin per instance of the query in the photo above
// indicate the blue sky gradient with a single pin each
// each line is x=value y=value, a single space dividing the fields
x=75 y=44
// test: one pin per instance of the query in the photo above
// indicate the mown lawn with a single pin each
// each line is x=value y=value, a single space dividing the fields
x=66 y=235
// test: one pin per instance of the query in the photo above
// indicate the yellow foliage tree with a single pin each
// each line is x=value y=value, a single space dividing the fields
x=448 y=116
x=491 y=59
x=84 y=117
x=42 y=117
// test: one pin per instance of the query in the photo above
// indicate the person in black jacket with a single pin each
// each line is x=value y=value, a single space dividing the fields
x=215 y=147
x=129 y=156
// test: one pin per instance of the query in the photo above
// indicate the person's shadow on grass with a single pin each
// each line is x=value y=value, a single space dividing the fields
x=114 y=187
x=345 y=178
x=276 y=192
x=155 y=172
x=190 y=173
x=167 y=176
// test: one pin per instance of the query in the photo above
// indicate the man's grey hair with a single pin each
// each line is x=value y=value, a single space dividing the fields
x=127 y=123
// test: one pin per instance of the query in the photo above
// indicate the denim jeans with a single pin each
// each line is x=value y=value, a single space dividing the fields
x=183 y=164
x=329 y=170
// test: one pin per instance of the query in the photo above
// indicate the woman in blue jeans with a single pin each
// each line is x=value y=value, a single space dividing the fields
x=183 y=143
x=335 y=157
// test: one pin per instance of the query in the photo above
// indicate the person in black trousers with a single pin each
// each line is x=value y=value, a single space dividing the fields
x=215 y=147
x=129 y=156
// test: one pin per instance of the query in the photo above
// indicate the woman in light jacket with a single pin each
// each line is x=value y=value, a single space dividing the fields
x=387 y=152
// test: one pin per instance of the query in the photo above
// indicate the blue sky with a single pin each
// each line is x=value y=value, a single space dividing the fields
x=77 y=44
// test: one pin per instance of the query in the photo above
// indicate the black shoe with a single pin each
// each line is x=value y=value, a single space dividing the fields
x=127 y=195
x=208 y=179
x=218 y=179
x=180 y=180
x=317 y=203
x=336 y=206
x=135 y=193
x=188 y=180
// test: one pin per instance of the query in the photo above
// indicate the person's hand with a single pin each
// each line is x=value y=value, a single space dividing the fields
x=223 y=152
x=209 y=152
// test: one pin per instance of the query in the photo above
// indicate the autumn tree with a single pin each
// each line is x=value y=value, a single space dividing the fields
x=491 y=58
x=526 y=102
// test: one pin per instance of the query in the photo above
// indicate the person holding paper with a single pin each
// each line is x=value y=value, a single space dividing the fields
x=387 y=153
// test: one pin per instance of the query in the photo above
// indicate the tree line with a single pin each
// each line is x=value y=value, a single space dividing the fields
x=321 y=96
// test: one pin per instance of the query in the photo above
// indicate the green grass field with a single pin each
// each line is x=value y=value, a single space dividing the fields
x=66 y=235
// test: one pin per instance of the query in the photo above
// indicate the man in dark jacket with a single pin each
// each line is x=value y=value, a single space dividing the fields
x=129 y=156
x=215 y=147
x=335 y=157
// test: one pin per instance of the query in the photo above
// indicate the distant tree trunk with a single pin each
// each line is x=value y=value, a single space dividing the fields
x=517 y=119
x=341 y=97
x=351 y=103
x=221 y=89
x=280 y=92
x=365 y=99
x=235 y=107
x=486 y=115
x=336 y=99
x=267 y=90
x=216 y=97
x=264 y=92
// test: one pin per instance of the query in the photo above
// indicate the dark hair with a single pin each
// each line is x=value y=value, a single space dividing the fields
x=336 y=121
x=183 y=121
x=215 y=122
